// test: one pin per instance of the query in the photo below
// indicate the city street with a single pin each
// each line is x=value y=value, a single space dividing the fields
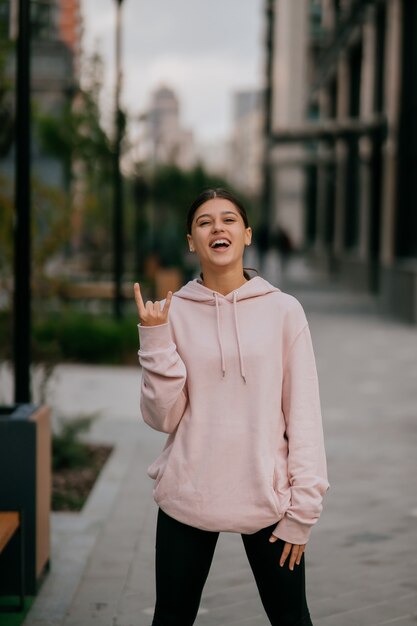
x=153 y=143
x=362 y=556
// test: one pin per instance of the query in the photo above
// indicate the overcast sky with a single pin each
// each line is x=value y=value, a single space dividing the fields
x=203 y=49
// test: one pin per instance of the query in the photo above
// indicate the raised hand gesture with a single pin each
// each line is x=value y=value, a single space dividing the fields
x=151 y=313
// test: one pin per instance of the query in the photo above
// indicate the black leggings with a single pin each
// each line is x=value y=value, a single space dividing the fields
x=183 y=558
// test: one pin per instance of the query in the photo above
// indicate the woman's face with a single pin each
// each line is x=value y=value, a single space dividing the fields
x=214 y=220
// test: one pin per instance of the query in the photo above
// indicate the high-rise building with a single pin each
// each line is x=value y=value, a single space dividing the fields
x=56 y=37
x=70 y=23
x=354 y=125
x=165 y=140
x=247 y=142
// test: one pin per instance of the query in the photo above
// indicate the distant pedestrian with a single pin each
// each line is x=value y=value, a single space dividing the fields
x=282 y=242
x=229 y=374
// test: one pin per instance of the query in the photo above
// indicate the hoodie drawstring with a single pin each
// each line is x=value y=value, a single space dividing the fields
x=242 y=370
x=219 y=334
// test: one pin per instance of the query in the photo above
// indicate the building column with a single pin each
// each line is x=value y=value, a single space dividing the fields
x=321 y=204
x=288 y=110
x=392 y=108
x=343 y=94
x=365 y=143
x=328 y=15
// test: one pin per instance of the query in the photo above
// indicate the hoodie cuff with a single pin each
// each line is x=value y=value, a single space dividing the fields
x=153 y=338
x=291 y=531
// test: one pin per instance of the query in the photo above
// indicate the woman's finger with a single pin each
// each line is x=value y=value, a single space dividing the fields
x=138 y=298
x=285 y=552
x=294 y=556
x=167 y=303
x=300 y=554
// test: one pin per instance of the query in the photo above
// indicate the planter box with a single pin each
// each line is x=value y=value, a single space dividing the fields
x=25 y=485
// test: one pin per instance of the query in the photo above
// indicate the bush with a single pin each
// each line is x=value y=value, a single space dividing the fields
x=67 y=449
x=76 y=464
x=77 y=337
x=89 y=339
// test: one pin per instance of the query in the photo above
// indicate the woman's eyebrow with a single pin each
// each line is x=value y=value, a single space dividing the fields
x=223 y=213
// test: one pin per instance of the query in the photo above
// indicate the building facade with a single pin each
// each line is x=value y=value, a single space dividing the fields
x=55 y=49
x=288 y=109
x=359 y=136
x=165 y=141
x=247 y=142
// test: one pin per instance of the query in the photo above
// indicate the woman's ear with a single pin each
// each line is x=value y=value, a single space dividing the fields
x=190 y=243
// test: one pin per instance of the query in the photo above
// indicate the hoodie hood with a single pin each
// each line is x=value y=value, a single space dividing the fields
x=195 y=291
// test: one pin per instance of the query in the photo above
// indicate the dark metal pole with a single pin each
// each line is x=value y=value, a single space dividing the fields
x=22 y=247
x=118 y=182
x=266 y=200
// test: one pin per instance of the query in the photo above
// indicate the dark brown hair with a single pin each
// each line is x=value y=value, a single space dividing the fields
x=209 y=194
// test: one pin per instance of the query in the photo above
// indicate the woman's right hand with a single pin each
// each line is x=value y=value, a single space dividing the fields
x=151 y=313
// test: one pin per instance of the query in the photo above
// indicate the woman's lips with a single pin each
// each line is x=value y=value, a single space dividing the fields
x=221 y=248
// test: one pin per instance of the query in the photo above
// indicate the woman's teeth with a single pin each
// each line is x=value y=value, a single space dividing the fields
x=220 y=243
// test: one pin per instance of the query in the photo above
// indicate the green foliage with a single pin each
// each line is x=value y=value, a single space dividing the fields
x=6 y=230
x=68 y=451
x=169 y=191
x=50 y=233
x=6 y=108
x=174 y=189
x=87 y=338
x=76 y=137
x=76 y=337
x=67 y=501
x=75 y=133
x=50 y=225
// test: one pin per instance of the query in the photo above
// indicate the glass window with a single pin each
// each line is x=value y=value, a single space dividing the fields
x=43 y=14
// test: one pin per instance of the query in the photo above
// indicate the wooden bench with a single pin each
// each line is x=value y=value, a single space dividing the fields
x=11 y=522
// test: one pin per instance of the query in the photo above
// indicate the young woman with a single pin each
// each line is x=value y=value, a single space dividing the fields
x=228 y=371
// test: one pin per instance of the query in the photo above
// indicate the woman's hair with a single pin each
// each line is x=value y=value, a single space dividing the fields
x=209 y=194
x=218 y=192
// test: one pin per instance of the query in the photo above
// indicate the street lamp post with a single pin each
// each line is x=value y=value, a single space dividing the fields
x=22 y=243
x=118 y=182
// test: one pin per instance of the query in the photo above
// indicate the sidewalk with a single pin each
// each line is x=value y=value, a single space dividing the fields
x=362 y=556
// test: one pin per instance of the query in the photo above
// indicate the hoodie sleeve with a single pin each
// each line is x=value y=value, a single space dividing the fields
x=163 y=395
x=307 y=467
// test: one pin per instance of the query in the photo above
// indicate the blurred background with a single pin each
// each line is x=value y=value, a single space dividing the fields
x=306 y=109
x=134 y=109
x=114 y=115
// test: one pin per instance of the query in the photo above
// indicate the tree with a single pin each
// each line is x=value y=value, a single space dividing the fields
x=169 y=192
x=6 y=110
x=76 y=137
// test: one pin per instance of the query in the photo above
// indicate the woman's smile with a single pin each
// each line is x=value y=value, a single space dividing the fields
x=220 y=244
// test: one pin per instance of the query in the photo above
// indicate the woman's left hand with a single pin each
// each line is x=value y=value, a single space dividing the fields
x=295 y=549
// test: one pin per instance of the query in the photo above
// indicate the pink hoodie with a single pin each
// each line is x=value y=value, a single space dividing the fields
x=233 y=381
